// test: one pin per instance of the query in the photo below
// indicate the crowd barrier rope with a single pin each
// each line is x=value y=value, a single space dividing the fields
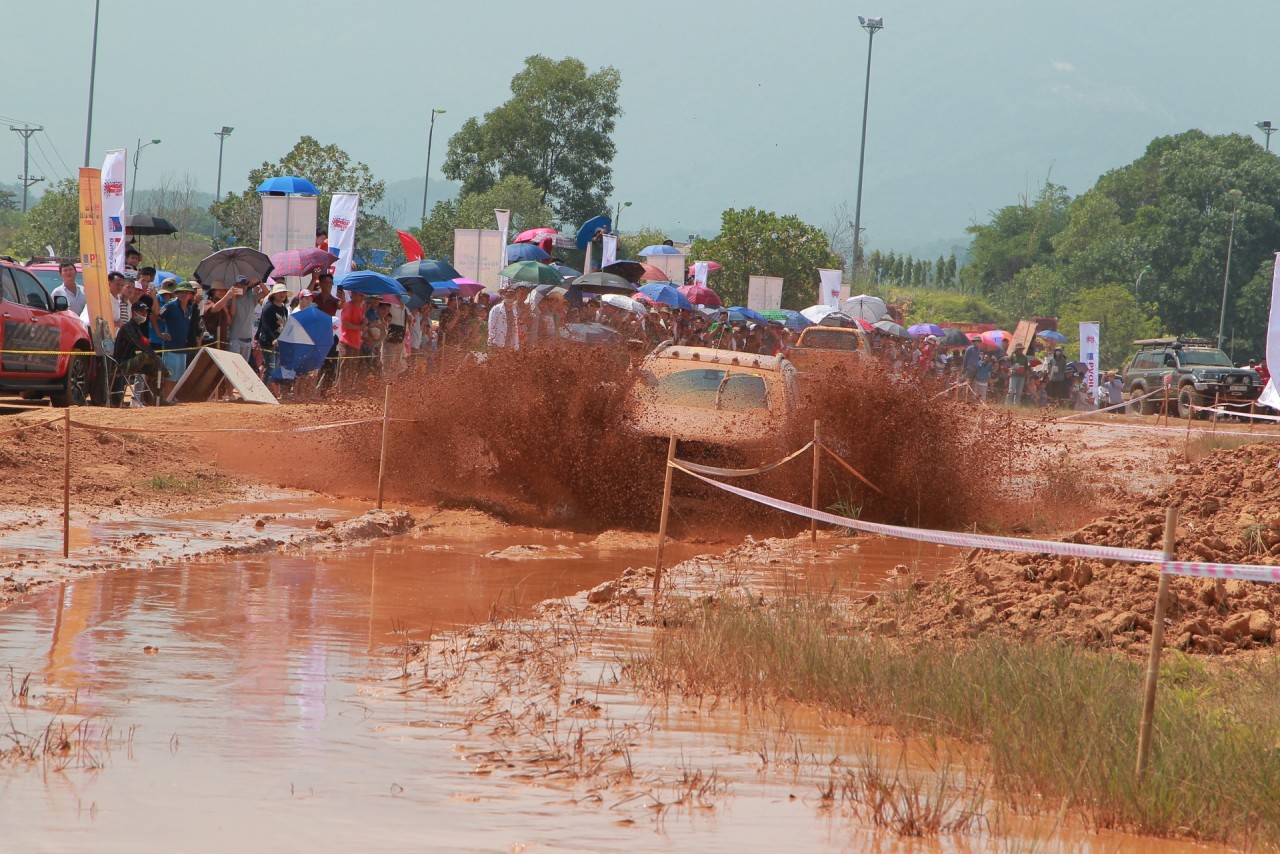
x=26 y=427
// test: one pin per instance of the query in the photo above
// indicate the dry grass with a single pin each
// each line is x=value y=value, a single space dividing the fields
x=1205 y=444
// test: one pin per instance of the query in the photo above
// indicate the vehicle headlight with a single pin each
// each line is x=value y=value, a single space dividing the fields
x=1200 y=386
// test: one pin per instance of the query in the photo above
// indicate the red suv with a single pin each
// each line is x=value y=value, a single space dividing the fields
x=37 y=342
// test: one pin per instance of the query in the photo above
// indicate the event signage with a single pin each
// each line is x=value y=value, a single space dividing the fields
x=112 y=208
x=700 y=269
x=1089 y=338
x=288 y=222
x=344 y=209
x=98 y=313
x=1270 y=394
x=764 y=293
x=672 y=265
x=476 y=253
x=609 y=250
x=829 y=287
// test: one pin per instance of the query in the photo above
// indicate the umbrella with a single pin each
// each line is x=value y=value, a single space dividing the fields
x=525 y=252
x=227 y=264
x=700 y=295
x=468 y=287
x=793 y=320
x=369 y=282
x=439 y=290
x=604 y=283
x=712 y=266
x=145 y=224
x=955 y=338
x=863 y=324
x=304 y=343
x=653 y=274
x=750 y=314
x=888 y=327
x=590 y=333
x=567 y=272
x=288 y=185
x=658 y=249
x=589 y=228
x=534 y=235
x=300 y=262
x=1050 y=335
x=624 y=303
x=427 y=270
x=632 y=271
x=921 y=330
x=996 y=339
x=531 y=272
x=163 y=276
x=666 y=294
x=865 y=306
x=815 y=313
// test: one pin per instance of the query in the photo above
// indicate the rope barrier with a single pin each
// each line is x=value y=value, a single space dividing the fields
x=1121 y=405
x=1234 y=413
x=722 y=472
x=186 y=432
x=29 y=426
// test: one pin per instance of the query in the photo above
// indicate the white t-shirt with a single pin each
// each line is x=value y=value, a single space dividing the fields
x=75 y=301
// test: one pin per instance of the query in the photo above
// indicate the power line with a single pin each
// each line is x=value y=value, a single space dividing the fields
x=54 y=146
x=26 y=132
x=48 y=161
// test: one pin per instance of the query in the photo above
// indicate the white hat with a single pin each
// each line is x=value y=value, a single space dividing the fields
x=278 y=288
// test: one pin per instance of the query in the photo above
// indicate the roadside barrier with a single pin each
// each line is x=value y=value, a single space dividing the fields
x=1164 y=559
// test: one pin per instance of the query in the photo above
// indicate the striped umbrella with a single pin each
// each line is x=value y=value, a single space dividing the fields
x=300 y=262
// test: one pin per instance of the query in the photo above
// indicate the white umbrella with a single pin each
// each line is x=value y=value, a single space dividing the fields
x=867 y=307
x=815 y=313
x=624 y=303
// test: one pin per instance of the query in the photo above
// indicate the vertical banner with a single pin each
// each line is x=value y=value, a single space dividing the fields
x=112 y=208
x=344 y=209
x=609 y=252
x=829 y=287
x=504 y=227
x=1271 y=394
x=1089 y=337
x=700 y=273
x=673 y=265
x=93 y=260
x=475 y=255
x=764 y=293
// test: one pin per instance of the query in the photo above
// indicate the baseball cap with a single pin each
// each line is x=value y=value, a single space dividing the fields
x=242 y=280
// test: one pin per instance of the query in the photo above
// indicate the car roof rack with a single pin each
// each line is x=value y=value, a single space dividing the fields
x=1176 y=343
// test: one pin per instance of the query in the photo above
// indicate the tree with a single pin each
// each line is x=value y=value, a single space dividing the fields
x=629 y=245
x=753 y=242
x=515 y=193
x=8 y=200
x=555 y=130
x=1017 y=237
x=327 y=166
x=52 y=221
x=1122 y=321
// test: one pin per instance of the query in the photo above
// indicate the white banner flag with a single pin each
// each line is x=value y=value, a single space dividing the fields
x=764 y=292
x=700 y=273
x=1089 y=338
x=476 y=252
x=504 y=227
x=609 y=252
x=344 y=210
x=113 y=181
x=1271 y=394
x=829 y=287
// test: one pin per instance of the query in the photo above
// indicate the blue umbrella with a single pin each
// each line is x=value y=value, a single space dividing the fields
x=659 y=249
x=163 y=276
x=666 y=294
x=1050 y=335
x=567 y=272
x=526 y=252
x=444 y=289
x=749 y=314
x=369 y=282
x=589 y=229
x=426 y=270
x=288 y=185
x=921 y=330
x=304 y=343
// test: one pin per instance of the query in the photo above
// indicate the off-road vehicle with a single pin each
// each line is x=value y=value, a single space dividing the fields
x=1195 y=372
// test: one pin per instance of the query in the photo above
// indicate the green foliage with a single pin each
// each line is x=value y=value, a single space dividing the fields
x=1017 y=237
x=1123 y=321
x=327 y=166
x=8 y=201
x=515 y=193
x=753 y=242
x=555 y=130
x=631 y=243
x=934 y=306
x=52 y=221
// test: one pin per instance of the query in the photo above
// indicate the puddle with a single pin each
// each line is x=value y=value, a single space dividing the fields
x=265 y=720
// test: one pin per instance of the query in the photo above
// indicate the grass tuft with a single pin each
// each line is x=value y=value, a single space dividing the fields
x=198 y=484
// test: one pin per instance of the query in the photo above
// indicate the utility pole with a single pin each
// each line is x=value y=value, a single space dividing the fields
x=872 y=26
x=26 y=177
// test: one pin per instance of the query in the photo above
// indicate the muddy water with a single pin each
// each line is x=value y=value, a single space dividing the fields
x=266 y=720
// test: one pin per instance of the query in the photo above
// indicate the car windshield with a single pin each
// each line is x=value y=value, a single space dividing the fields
x=52 y=278
x=831 y=339
x=709 y=388
x=1214 y=358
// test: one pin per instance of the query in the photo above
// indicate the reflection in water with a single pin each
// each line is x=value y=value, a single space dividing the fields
x=266 y=721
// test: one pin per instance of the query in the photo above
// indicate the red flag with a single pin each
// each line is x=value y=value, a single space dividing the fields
x=412 y=248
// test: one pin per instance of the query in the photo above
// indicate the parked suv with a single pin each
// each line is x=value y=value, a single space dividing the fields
x=1198 y=375
x=40 y=341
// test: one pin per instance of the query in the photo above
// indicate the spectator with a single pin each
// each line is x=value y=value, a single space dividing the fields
x=116 y=284
x=69 y=289
x=1018 y=368
x=351 y=327
x=245 y=299
x=134 y=354
x=983 y=376
x=1056 y=377
x=217 y=313
x=504 y=321
x=270 y=324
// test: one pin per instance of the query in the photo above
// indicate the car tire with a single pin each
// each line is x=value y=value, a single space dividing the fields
x=99 y=382
x=1137 y=405
x=1188 y=400
x=75 y=384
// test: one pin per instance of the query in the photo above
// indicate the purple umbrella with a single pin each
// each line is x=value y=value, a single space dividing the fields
x=921 y=330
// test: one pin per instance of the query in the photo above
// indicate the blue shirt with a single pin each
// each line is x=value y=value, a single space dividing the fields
x=972 y=358
x=984 y=371
x=174 y=319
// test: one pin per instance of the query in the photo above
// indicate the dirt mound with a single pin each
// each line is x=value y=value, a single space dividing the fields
x=1230 y=513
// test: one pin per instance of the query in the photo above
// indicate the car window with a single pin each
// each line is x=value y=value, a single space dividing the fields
x=743 y=391
x=8 y=289
x=1214 y=358
x=53 y=278
x=33 y=294
x=830 y=339
x=708 y=388
x=1170 y=361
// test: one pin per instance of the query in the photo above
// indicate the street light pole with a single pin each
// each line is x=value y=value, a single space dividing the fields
x=1226 y=277
x=617 y=215
x=93 y=70
x=1138 y=284
x=222 y=137
x=435 y=111
x=1266 y=127
x=137 y=152
x=872 y=26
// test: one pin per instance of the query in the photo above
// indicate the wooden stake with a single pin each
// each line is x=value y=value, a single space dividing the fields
x=1216 y=404
x=1157 y=642
x=66 y=482
x=662 y=523
x=1186 y=445
x=382 y=458
x=817 y=459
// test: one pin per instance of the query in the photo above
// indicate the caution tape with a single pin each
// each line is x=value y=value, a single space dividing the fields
x=1183 y=430
x=186 y=432
x=721 y=472
x=1121 y=405
x=1234 y=413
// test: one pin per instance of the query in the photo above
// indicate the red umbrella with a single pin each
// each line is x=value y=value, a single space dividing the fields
x=534 y=235
x=653 y=274
x=712 y=266
x=996 y=339
x=698 y=295
x=300 y=262
x=864 y=324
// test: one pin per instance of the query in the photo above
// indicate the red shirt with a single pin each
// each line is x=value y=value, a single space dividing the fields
x=352 y=312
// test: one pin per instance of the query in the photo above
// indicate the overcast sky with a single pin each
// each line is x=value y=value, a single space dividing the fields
x=727 y=103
